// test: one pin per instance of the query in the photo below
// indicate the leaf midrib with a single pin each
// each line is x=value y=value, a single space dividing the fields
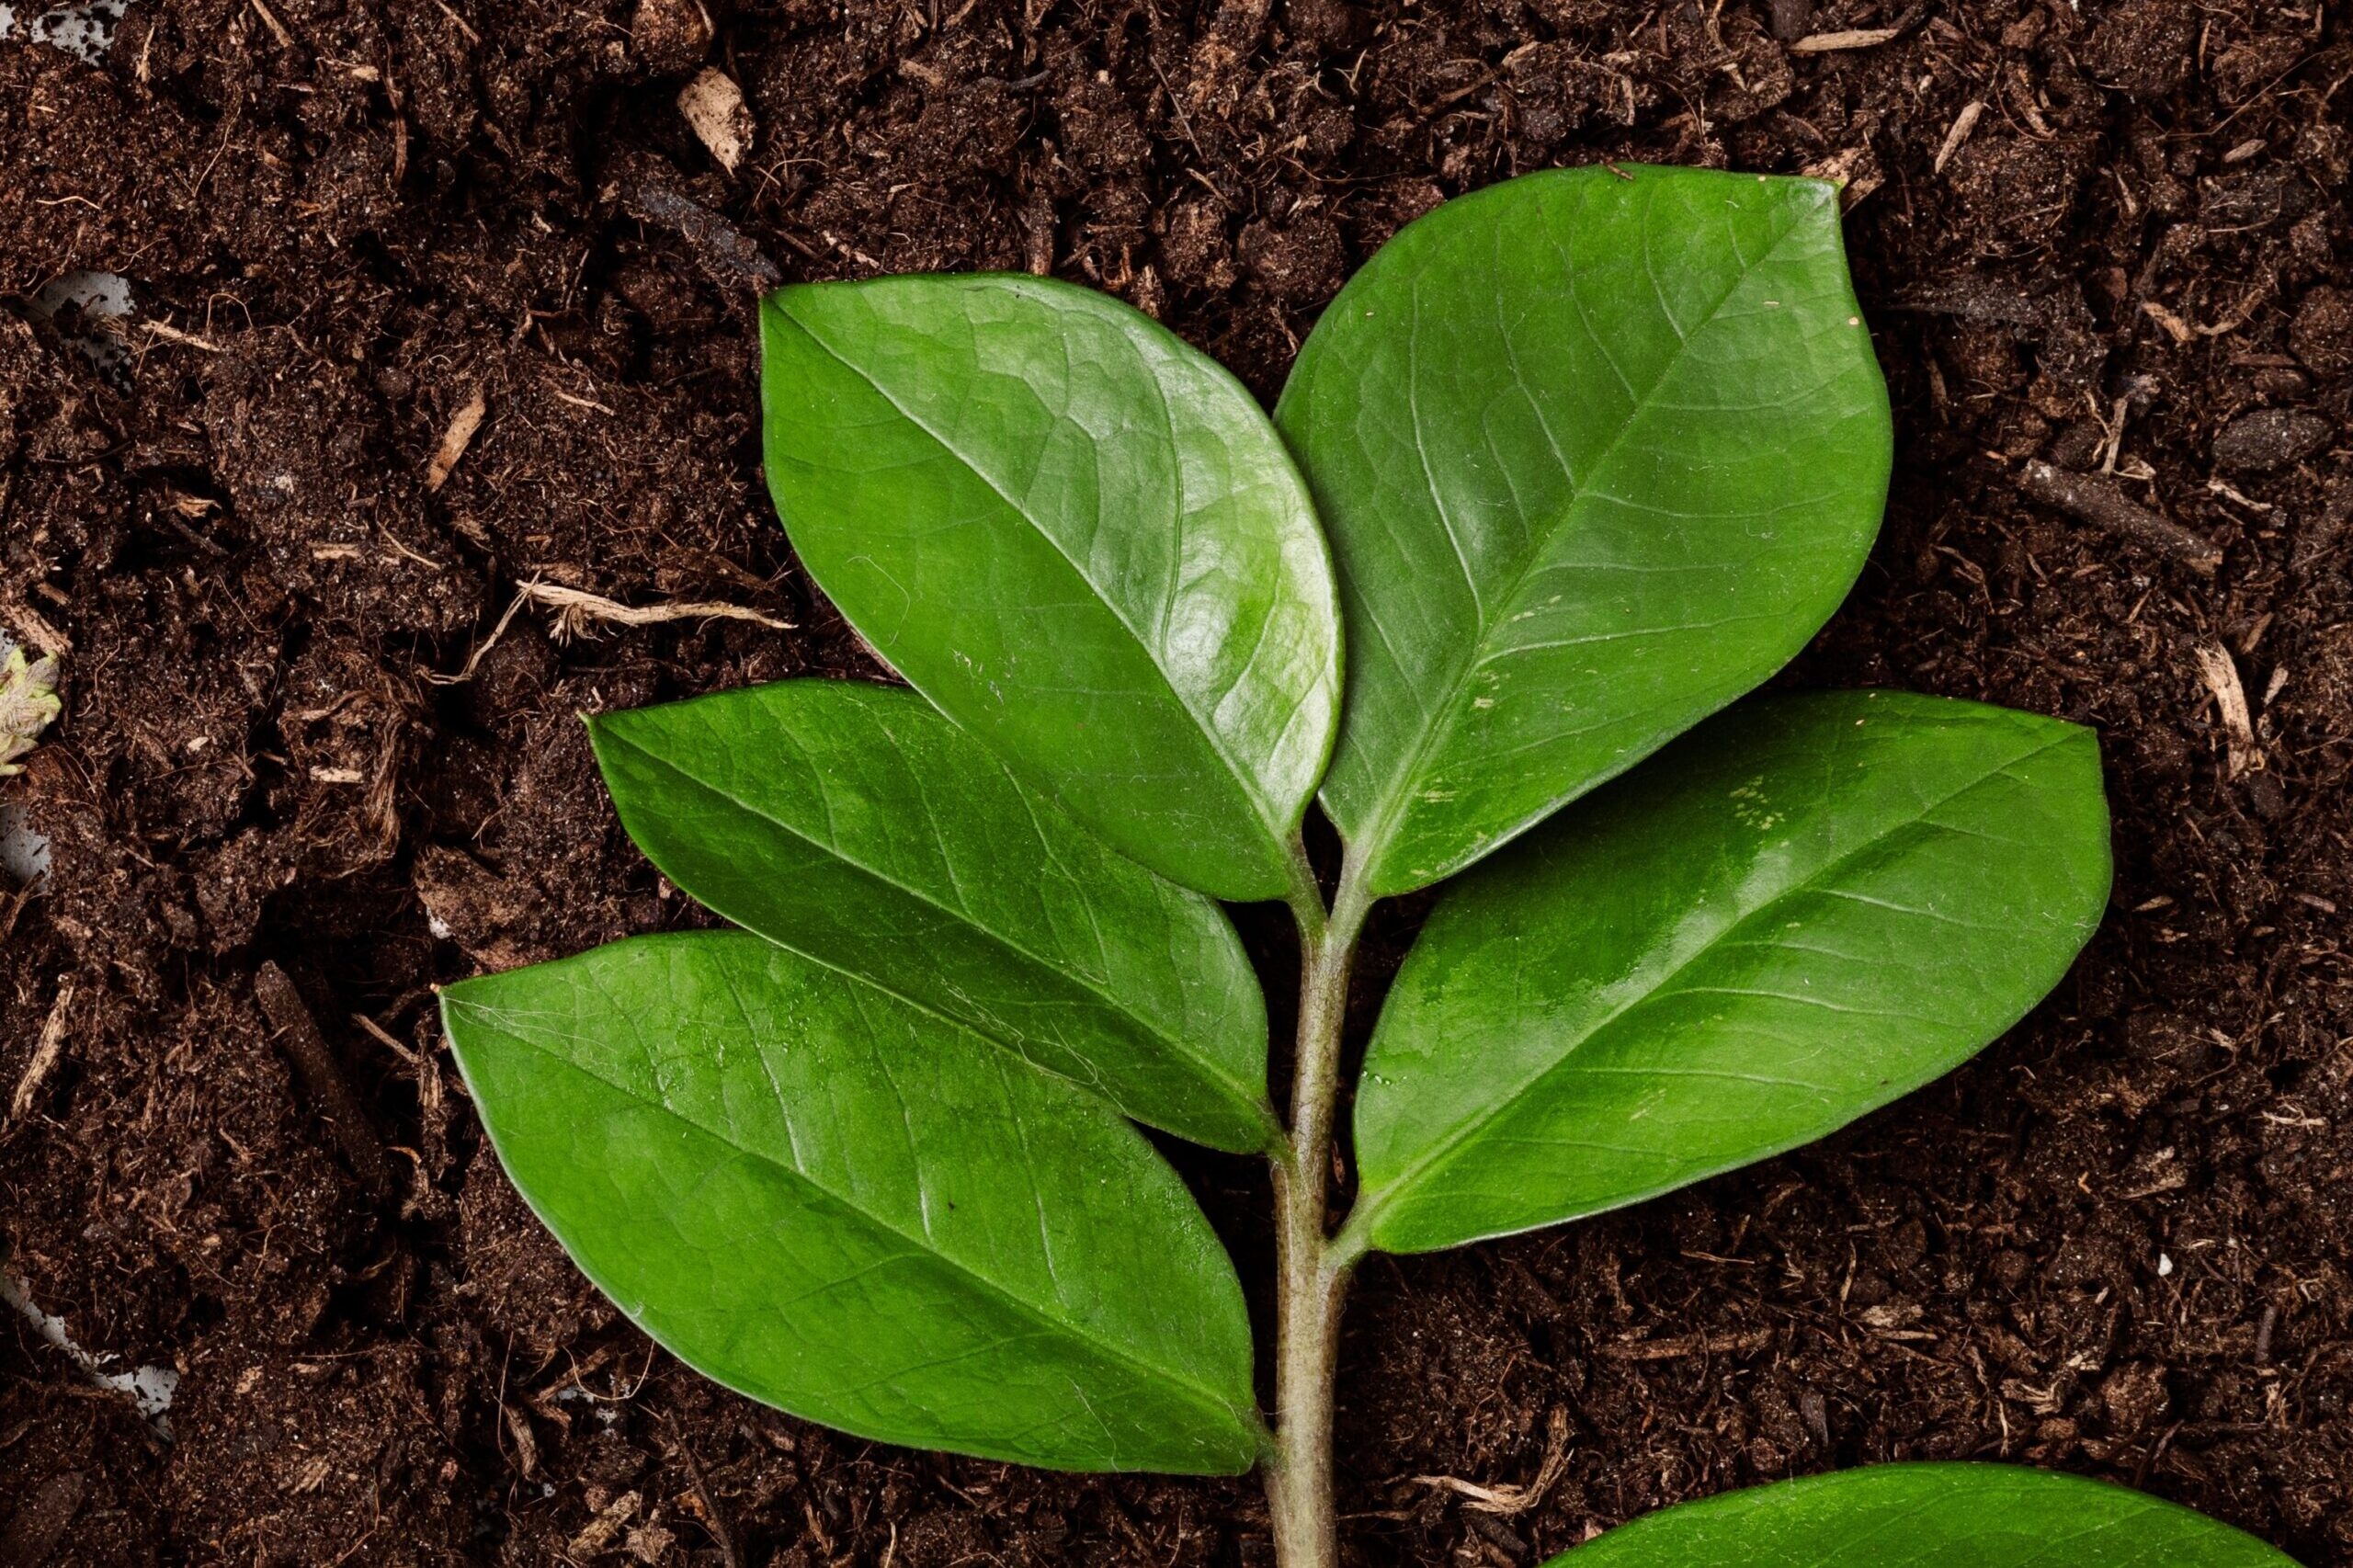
x=1250 y=1104
x=1215 y=1403
x=1262 y=811
x=1369 y=1211
x=1390 y=811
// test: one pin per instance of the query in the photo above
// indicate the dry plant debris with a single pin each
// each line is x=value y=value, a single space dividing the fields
x=28 y=703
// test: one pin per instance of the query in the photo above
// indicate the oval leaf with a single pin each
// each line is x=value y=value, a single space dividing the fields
x=1809 y=907
x=855 y=824
x=833 y=1202
x=1078 y=537
x=1598 y=450
x=1927 y=1516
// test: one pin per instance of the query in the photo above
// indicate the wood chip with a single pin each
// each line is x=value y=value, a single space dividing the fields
x=2222 y=677
x=716 y=113
x=2176 y=328
x=455 y=440
x=1856 y=38
x=45 y=1053
x=527 y=1443
x=599 y=1531
x=37 y=634
x=2101 y=504
x=1855 y=171
x=1962 y=124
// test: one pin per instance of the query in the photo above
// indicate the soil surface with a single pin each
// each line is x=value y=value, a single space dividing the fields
x=2108 y=236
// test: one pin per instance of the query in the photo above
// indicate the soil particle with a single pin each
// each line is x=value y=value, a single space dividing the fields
x=2110 y=237
x=2270 y=438
x=307 y=1454
x=2323 y=333
x=2142 y=47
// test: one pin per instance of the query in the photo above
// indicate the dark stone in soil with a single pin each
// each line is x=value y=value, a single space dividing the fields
x=2270 y=438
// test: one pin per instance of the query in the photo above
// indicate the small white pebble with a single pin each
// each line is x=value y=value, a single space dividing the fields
x=2164 y=1265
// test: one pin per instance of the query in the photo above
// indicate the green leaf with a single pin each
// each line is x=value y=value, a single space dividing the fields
x=834 y=1202
x=1598 y=450
x=855 y=824
x=1927 y=1516
x=1809 y=907
x=1079 y=537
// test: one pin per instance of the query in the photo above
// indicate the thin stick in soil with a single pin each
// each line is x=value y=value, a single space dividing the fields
x=298 y=1034
x=2102 y=506
x=725 y=255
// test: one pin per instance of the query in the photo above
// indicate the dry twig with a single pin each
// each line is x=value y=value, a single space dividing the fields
x=2090 y=500
x=298 y=1033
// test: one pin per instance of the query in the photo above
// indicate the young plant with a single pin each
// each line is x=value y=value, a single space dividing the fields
x=1577 y=462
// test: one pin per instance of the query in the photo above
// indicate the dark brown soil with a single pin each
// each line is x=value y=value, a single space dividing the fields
x=2118 y=1244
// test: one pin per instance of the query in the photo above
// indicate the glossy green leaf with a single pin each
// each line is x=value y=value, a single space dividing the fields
x=1079 y=537
x=1803 y=910
x=855 y=825
x=1598 y=451
x=1927 y=1516
x=838 y=1203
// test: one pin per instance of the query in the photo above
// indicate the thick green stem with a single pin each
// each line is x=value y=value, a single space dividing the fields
x=1311 y=1283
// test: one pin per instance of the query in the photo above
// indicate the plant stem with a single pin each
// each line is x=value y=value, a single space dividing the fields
x=1311 y=1283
